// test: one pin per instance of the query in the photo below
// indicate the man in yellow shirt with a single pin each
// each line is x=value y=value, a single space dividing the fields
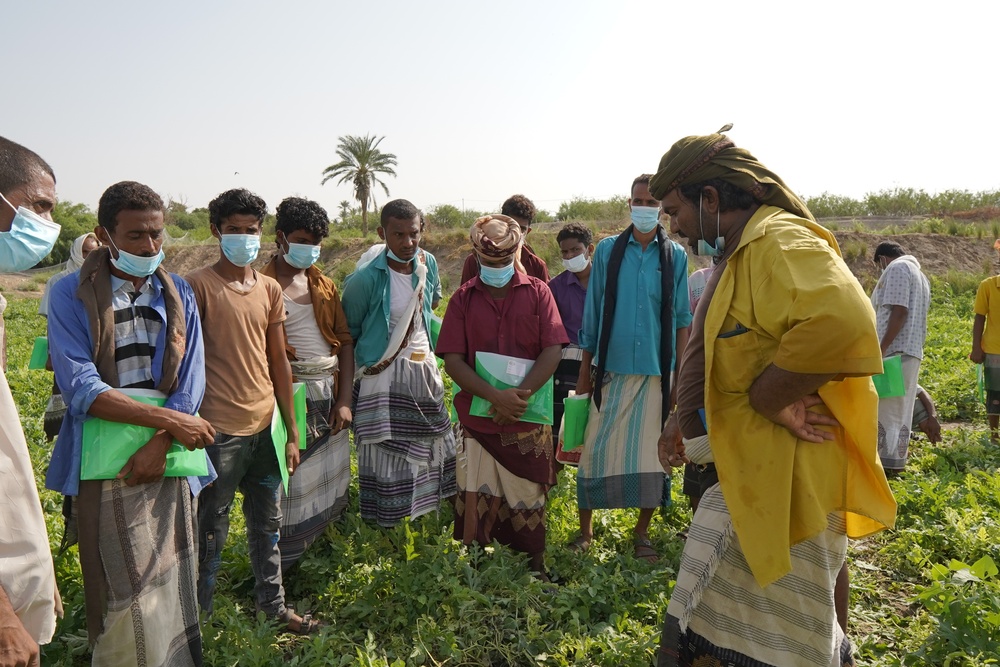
x=986 y=345
x=774 y=393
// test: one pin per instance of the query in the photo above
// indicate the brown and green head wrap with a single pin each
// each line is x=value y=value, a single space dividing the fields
x=697 y=159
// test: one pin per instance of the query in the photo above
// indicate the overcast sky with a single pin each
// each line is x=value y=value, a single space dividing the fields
x=552 y=98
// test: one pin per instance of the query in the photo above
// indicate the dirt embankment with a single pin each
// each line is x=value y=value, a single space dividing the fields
x=938 y=254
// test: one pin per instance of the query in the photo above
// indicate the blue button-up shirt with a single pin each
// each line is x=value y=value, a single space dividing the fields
x=634 y=347
x=71 y=348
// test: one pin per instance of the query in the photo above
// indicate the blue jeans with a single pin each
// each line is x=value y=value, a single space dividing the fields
x=247 y=462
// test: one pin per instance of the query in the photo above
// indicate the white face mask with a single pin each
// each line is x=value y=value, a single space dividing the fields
x=576 y=264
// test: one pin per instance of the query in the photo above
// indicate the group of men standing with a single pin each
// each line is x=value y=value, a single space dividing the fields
x=766 y=384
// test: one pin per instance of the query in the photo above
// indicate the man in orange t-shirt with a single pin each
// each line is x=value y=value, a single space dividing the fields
x=246 y=370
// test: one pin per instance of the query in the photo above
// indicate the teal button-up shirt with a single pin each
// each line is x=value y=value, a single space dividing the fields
x=634 y=347
x=366 y=303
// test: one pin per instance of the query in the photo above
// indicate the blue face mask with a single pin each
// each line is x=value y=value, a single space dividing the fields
x=135 y=265
x=645 y=218
x=496 y=277
x=29 y=240
x=393 y=257
x=301 y=255
x=240 y=249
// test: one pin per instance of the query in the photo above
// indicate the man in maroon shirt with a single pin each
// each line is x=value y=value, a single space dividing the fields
x=504 y=464
x=523 y=211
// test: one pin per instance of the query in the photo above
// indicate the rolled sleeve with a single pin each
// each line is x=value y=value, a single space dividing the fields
x=71 y=349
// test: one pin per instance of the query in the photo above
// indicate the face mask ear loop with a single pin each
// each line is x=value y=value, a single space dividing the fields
x=5 y=201
x=701 y=225
x=718 y=225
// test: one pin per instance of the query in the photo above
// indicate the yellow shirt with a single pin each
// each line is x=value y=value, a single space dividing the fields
x=988 y=305
x=787 y=284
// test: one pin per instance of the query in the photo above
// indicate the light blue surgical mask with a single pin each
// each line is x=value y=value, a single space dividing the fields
x=301 y=255
x=645 y=218
x=29 y=240
x=135 y=265
x=496 y=276
x=240 y=249
x=704 y=248
x=393 y=257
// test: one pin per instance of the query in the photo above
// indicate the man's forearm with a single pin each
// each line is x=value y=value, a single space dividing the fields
x=897 y=318
x=345 y=362
x=117 y=407
x=776 y=389
x=978 y=325
x=545 y=365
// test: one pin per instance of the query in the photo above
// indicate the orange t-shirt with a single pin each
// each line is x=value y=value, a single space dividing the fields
x=239 y=396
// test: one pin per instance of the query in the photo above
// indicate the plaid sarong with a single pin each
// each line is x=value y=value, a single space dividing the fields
x=149 y=556
x=318 y=491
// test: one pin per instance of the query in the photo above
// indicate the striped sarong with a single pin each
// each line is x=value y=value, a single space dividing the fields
x=495 y=504
x=318 y=491
x=405 y=443
x=149 y=556
x=717 y=610
x=894 y=419
x=618 y=462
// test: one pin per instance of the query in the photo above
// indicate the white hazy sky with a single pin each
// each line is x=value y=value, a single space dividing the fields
x=552 y=98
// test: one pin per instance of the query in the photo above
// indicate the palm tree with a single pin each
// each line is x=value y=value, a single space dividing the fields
x=345 y=210
x=360 y=162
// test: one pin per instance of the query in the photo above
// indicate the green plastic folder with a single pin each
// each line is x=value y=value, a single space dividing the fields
x=107 y=445
x=890 y=383
x=435 y=330
x=505 y=372
x=39 y=354
x=575 y=414
x=279 y=434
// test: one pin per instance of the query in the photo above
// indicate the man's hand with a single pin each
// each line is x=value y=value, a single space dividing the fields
x=508 y=405
x=340 y=418
x=977 y=355
x=149 y=463
x=802 y=422
x=191 y=431
x=292 y=455
x=932 y=429
x=17 y=648
x=670 y=446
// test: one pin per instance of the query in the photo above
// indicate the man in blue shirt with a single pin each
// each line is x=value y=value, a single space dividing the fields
x=634 y=329
x=406 y=448
x=119 y=327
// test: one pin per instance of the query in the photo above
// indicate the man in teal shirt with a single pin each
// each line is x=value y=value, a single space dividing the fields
x=634 y=329
x=406 y=448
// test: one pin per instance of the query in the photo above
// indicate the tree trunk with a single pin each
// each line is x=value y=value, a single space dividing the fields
x=364 y=219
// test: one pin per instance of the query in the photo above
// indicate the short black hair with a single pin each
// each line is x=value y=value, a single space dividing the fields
x=18 y=165
x=238 y=201
x=641 y=178
x=731 y=197
x=126 y=196
x=295 y=213
x=574 y=230
x=519 y=206
x=889 y=249
x=400 y=209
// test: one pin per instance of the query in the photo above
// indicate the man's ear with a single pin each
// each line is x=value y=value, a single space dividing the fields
x=215 y=231
x=709 y=200
x=381 y=232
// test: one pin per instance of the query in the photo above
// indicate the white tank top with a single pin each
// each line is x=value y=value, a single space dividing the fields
x=303 y=332
x=400 y=293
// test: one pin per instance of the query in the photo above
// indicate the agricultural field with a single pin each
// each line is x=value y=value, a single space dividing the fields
x=926 y=593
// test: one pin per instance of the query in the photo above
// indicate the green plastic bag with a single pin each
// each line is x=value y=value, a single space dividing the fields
x=39 y=354
x=107 y=445
x=279 y=434
x=890 y=383
x=505 y=372
x=576 y=411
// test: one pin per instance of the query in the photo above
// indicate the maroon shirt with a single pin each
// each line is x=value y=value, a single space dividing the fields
x=522 y=324
x=533 y=264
